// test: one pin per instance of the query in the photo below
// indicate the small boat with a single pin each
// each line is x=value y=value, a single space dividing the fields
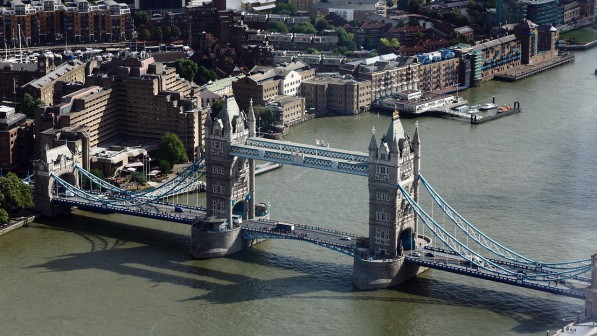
x=504 y=108
x=488 y=106
x=473 y=109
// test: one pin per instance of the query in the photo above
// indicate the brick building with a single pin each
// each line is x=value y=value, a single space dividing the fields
x=16 y=140
x=337 y=94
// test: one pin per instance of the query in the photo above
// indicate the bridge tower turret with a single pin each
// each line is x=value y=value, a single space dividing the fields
x=229 y=181
x=392 y=224
x=591 y=299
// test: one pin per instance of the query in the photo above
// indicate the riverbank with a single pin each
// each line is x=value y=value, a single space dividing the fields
x=528 y=70
x=15 y=223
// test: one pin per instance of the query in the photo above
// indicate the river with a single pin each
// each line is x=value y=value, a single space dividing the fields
x=528 y=180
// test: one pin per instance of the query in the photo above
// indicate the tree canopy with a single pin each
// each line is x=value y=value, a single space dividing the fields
x=278 y=27
x=141 y=18
x=205 y=75
x=144 y=34
x=322 y=24
x=284 y=8
x=186 y=68
x=346 y=39
x=28 y=105
x=303 y=28
x=265 y=116
x=13 y=194
x=172 y=149
x=216 y=107
x=388 y=45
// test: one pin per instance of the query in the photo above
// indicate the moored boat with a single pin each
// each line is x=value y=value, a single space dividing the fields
x=487 y=106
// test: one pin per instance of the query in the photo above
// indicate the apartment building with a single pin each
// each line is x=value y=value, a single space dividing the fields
x=337 y=94
x=438 y=71
x=43 y=87
x=388 y=74
x=40 y=22
x=494 y=56
x=128 y=101
x=289 y=110
x=264 y=83
x=16 y=140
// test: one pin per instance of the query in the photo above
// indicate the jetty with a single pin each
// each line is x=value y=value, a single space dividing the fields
x=477 y=119
x=526 y=71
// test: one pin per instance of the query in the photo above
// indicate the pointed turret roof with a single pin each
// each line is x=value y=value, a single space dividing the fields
x=395 y=131
x=373 y=143
x=416 y=139
x=229 y=110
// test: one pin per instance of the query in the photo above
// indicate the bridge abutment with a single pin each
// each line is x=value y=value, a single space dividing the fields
x=591 y=299
x=381 y=274
x=210 y=239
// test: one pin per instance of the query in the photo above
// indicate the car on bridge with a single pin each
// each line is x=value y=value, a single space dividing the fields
x=416 y=254
x=345 y=238
x=178 y=209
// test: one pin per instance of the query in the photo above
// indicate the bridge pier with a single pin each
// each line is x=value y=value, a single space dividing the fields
x=381 y=274
x=591 y=300
x=207 y=244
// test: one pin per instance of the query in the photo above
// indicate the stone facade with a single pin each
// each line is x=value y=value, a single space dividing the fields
x=591 y=300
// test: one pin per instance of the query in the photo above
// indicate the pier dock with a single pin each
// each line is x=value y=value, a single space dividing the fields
x=526 y=71
x=476 y=120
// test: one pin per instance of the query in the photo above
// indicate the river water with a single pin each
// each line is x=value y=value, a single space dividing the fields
x=528 y=180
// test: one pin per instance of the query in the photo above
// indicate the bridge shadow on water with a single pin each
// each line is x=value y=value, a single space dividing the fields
x=162 y=257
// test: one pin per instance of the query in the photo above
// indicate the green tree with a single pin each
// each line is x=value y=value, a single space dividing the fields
x=388 y=45
x=303 y=28
x=216 y=107
x=284 y=8
x=322 y=24
x=312 y=51
x=205 y=75
x=157 y=33
x=186 y=68
x=86 y=183
x=367 y=43
x=167 y=32
x=279 y=27
x=165 y=166
x=265 y=116
x=144 y=34
x=346 y=39
x=172 y=149
x=141 y=18
x=13 y=194
x=138 y=177
x=175 y=32
x=28 y=105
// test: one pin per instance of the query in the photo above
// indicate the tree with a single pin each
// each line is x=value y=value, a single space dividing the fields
x=165 y=166
x=167 y=32
x=186 y=68
x=141 y=18
x=265 y=116
x=312 y=51
x=138 y=177
x=367 y=43
x=86 y=183
x=346 y=39
x=144 y=34
x=205 y=75
x=175 y=32
x=216 y=107
x=278 y=26
x=157 y=33
x=13 y=194
x=28 y=105
x=303 y=28
x=322 y=24
x=284 y=8
x=172 y=149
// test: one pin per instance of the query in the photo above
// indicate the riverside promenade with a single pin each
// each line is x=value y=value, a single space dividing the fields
x=528 y=70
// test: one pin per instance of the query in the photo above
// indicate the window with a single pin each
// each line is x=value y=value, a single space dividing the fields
x=382 y=236
x=383 y=170
x=382 y=216
x=382 y=196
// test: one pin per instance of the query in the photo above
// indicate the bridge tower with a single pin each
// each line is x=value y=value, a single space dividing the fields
x=392 y=222
x=230 y=183
x=60 y=161
x=591 y=300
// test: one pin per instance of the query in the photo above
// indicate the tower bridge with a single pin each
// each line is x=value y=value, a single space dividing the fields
x=395 y=249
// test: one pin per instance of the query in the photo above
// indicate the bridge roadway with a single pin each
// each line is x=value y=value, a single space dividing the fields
x=450 y=262
x=253 y=229
x=343 y=242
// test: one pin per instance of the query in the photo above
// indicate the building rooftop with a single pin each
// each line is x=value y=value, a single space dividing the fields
x=61 y=70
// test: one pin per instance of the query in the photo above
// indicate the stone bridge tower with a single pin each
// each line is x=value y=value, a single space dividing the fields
x=61 y=162
x=591 y=300
x=392 y=221
x=230 y=183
